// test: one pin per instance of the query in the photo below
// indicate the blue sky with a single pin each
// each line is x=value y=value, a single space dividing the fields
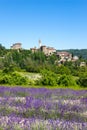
x=61 y=24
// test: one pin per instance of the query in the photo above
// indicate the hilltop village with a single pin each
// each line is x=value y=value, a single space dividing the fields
x=48 y=51
x=52 y=67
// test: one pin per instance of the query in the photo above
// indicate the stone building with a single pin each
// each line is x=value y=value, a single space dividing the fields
x=34 y=49
x=75 y=58
x=47 y=50
x=64 y=55
x=16 y=46
x=82 y=64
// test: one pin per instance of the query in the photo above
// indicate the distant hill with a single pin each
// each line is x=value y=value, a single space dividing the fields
x=78 y=52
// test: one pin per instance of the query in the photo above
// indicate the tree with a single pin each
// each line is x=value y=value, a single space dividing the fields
x=52 y=58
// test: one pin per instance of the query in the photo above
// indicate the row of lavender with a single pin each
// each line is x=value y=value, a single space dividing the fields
x=42 y=109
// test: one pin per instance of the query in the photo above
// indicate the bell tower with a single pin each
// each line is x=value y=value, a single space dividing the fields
x=40 y=43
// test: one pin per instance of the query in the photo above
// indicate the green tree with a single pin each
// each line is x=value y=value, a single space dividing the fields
x=2 y=50
x=52 y=58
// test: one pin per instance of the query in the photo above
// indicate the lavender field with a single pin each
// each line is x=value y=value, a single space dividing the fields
x=42 y=109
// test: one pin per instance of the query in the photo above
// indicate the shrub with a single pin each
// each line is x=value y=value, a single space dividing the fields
x=66 y=80
x=82 y=81
x=18 y=79
x=48 y=78
x=13 y=79
x=6 y=79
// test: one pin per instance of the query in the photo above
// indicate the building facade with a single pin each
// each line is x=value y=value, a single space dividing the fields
x=16 y=46
x=47 y=50
x=65 y=56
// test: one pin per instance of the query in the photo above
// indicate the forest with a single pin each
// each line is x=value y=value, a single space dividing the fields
x=67 y=74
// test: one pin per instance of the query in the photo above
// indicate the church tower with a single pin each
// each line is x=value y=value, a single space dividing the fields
x=40 y=43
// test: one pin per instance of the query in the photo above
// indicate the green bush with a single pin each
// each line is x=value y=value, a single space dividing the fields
x=18 y=79
x=82 y=81
x=5 y=79
x=48 y=78
x=66 y=80
x=13 y=79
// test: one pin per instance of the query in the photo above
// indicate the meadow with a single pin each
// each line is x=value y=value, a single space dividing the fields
x=42 y=109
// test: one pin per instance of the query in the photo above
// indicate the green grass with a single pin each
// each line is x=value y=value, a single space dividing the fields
x=48 y=87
